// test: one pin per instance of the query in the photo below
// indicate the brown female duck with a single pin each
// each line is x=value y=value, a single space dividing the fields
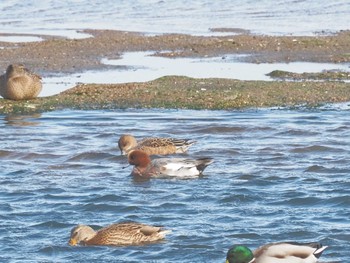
x=119 y=234
x=18 y=83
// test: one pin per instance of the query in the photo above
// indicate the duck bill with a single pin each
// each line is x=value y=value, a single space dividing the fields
x=126 y=166
x=72 y=242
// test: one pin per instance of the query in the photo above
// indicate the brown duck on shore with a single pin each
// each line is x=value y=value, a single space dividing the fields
x=119 y=234
x=18 y=83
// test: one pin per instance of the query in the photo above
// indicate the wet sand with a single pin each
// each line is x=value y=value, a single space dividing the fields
x=58 y=55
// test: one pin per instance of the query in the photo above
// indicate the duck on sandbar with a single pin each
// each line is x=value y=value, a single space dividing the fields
x=18 y=83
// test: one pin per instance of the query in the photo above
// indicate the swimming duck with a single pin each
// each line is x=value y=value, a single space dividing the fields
x=180 y=167
x=155 y=145
x=18 y=83
x=118 y=234
x=283 y=252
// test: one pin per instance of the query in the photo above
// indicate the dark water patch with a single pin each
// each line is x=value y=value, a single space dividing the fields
x=90 y=156
x=4 y=153
x=299 y=132
x=6 y=207
x=322 y=169
x=339 y=201
x=50 y=224
x=219 y=129
x=92 y=207
x=108 y=198
x=36 y=157
x=238 y=199
x=342 y=128
x=315 y=148
x=302 y=202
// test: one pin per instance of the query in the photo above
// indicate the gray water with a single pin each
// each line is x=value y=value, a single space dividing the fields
x=141 y=66
x=278 y=175
x=296 y=17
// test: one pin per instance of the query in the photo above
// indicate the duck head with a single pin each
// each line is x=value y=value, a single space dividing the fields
x=80 y=234
x=126 y=142
x=139 y=158
x=239 y=254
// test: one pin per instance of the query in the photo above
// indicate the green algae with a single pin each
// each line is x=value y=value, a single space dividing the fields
x=175 y=92
x=326 y=75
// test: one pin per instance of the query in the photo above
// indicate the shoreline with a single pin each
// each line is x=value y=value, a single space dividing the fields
x=59 y=55
x=176 y=92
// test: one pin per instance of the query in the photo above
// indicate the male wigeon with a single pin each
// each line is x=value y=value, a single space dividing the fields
x=18 y=83
x=117 y=234
x=155 y=145
x=179 y=167
x=283 y=252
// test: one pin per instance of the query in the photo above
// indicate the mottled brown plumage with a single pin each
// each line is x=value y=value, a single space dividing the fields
x=18 y=83
x=155 y=145
x=119 y=234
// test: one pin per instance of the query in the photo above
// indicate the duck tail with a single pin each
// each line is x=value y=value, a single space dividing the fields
x=203 y=163
x=318 y=252
x=162 y=233
x=183 y=144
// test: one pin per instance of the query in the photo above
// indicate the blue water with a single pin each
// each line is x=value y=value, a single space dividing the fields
x=278 y=175
x=296 y=17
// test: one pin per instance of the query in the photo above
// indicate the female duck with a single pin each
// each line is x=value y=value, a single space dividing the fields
x=120 y=234
x=18 y=83
x=155 y=145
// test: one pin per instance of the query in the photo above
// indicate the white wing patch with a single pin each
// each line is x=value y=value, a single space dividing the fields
x=181 y=167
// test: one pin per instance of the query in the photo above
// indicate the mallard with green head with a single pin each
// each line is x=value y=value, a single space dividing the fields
x=283 y=252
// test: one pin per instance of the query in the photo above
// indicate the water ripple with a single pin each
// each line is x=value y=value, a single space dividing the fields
x=277 y=175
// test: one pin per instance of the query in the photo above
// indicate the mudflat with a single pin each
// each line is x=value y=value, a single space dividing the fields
x=58 y=55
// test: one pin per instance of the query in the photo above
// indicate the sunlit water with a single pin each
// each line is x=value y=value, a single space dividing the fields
x=278 y=175
x=54 y=17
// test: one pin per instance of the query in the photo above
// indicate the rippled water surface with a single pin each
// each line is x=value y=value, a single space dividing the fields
x=278 y=175
x=298 y=17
